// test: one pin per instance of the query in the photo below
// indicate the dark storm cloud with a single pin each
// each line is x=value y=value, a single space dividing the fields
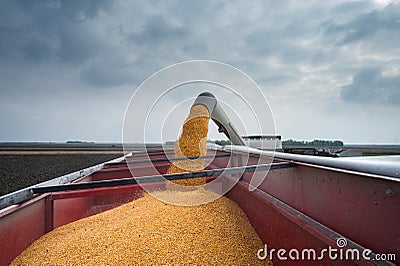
x=371 y=86
x=157 y=40
x=87 y=8
x=114 y=71
x=70 y=8
x=351 y=7
x=76 y=45
x=365 y=26
x=48 y=30
x=156 y=30
x=290 y=38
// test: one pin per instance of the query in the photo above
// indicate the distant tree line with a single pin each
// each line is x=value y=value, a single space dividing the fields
x=315 y=142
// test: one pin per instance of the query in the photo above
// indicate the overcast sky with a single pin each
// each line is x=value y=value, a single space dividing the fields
x=329 y=69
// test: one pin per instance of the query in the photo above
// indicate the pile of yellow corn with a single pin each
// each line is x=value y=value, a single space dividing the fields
x=148 y=231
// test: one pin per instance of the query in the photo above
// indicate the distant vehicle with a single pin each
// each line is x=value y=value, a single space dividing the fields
x=264 y=142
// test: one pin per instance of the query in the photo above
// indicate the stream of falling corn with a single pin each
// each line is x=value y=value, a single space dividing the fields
x=192 y=142
x=148 y=231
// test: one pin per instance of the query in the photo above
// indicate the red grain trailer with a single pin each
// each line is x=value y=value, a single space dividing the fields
x=307 y=210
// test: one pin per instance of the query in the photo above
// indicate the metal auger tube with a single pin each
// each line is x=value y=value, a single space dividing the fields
x=220 y=118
